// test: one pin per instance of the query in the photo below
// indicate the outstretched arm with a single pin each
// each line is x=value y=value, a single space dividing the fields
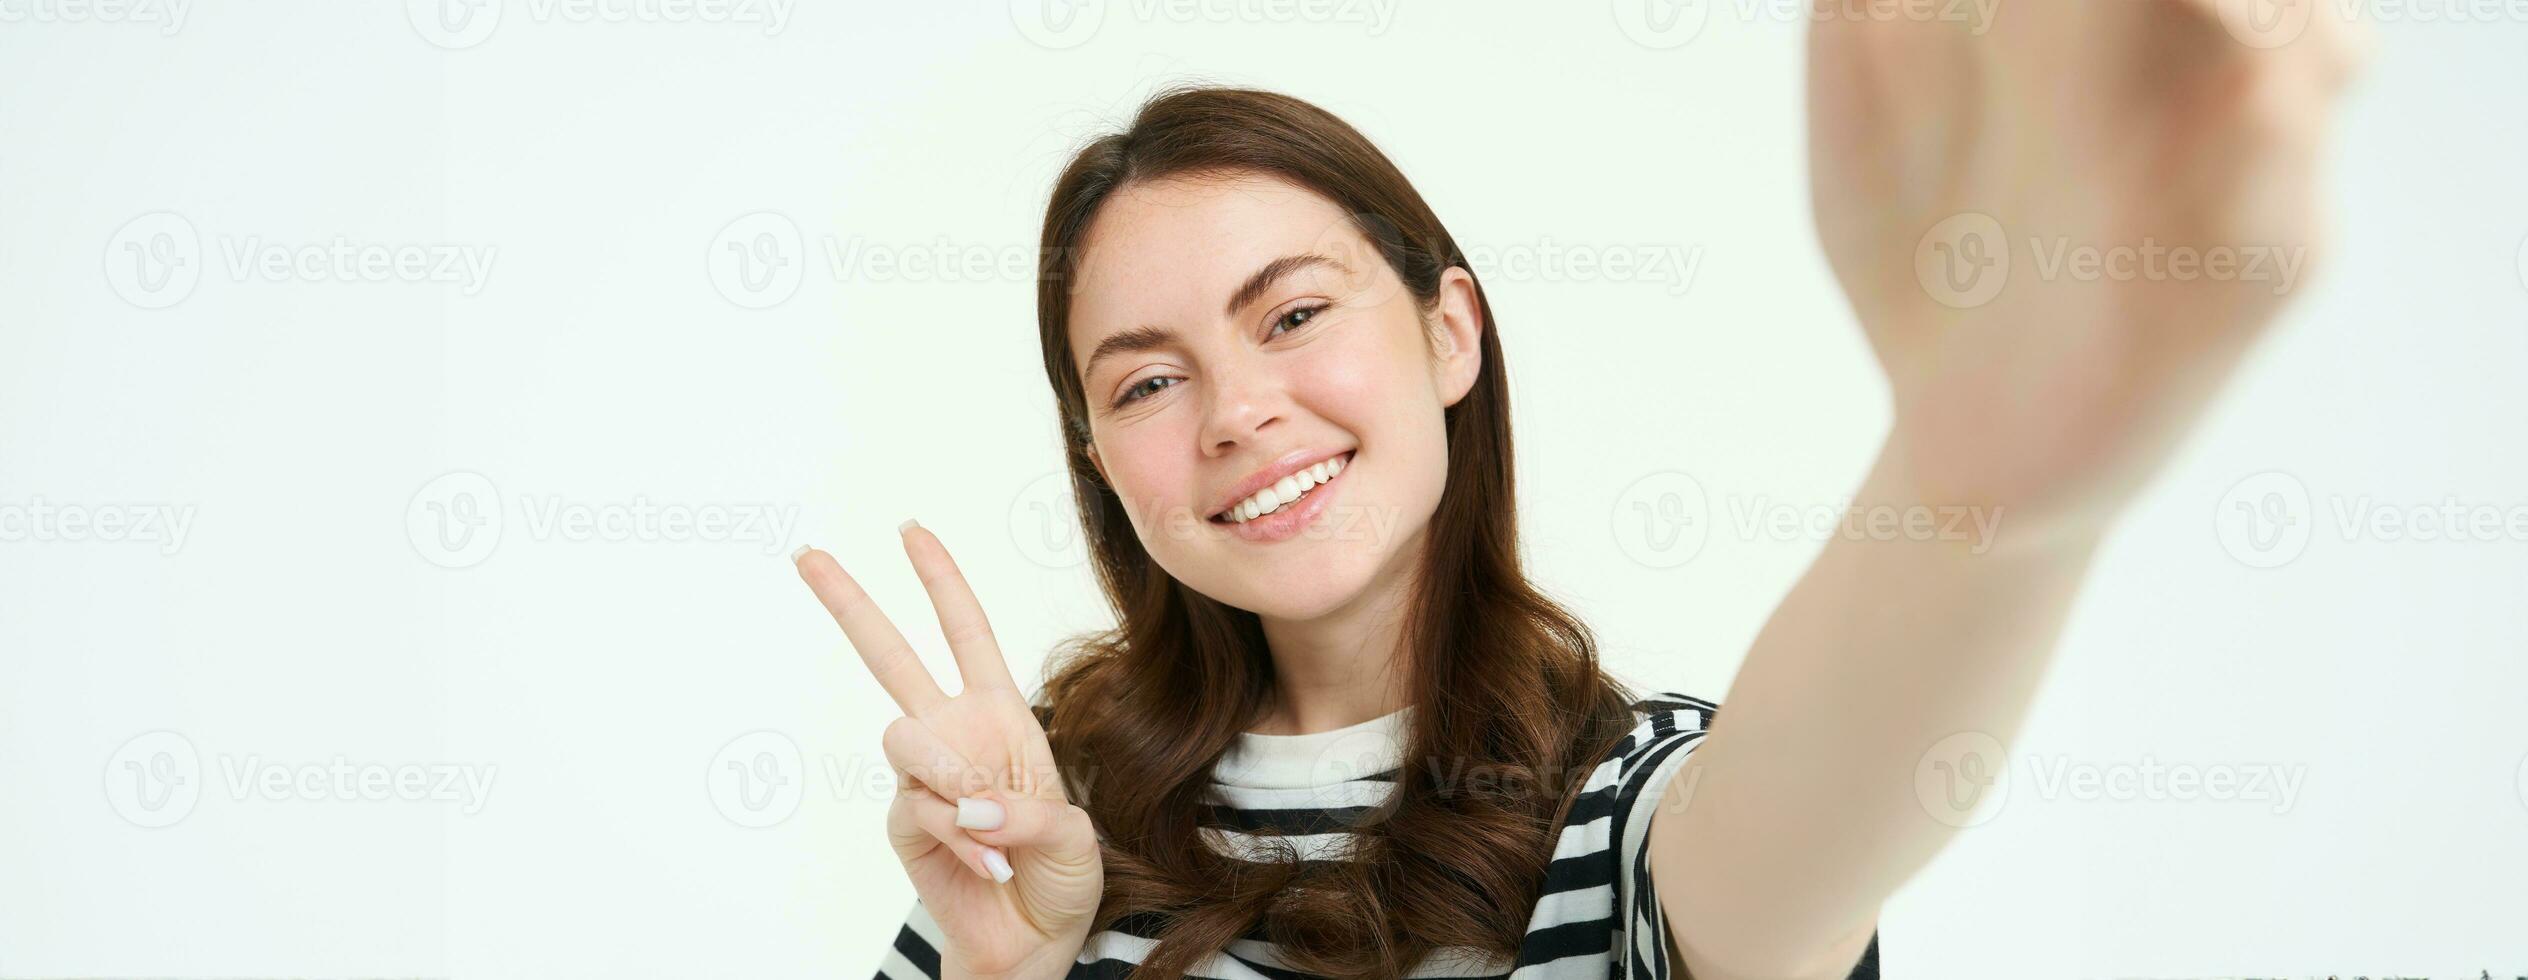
x=1955 y=166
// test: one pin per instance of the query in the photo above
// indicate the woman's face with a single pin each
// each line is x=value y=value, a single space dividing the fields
x=1232 y=330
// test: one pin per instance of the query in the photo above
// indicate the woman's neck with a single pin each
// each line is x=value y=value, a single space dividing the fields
x=1340 y=669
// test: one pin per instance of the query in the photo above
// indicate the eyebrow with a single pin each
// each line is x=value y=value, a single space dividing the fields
x=1143 y=338
x=1131 y=341
x=1271 y=273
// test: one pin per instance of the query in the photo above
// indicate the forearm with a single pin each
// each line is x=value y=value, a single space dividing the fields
x=1804 y=814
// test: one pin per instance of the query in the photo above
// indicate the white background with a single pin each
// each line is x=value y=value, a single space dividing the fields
x=303 y=430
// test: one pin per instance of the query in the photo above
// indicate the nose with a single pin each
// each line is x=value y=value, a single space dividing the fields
x=1243 y=402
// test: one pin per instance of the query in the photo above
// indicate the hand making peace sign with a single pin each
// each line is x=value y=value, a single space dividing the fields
x=1003 y=861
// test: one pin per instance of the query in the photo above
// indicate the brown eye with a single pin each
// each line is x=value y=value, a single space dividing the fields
x=1141 y=390
x=1297 y=318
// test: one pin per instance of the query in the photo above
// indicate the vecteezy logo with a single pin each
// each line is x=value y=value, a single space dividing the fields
x=1963 y=781
x=1662 y=520
x=1057 y=24
x=1963 y=261
x=1345 y=794
x=2264 y=521
x=757 y=779
x=154 y=779
x=154 y=260
x=2266 y=23
x=2523 y=263
x=454 y=520
x=757 y=261
x=453 y=24
x=2522 y=781
x=1043 y=523
x=1661 y=24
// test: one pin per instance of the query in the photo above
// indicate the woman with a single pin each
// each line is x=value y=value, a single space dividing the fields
x=1336 y=732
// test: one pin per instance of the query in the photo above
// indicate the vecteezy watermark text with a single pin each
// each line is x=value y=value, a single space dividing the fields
x=1966 y=259
x=169 y=15
x=2274 y=23
x=1968 y=778
x=39 y=520
x=1762 y=517
x=1664 y=519
x=458 y=24
x=156 y=779
x=759 y=260
x=466 y=267
x=154 y=261
x=2269 y=519
x=458 y=519
x=1663 y=24
x=1546 y=260
x=1059 y=24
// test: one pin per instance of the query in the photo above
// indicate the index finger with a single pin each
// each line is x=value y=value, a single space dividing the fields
x=898 y=669
x=979 y=659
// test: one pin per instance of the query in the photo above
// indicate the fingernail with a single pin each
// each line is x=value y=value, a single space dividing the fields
x=908 y=525
x=796 y=555
x=977 y=814
x=997 y=863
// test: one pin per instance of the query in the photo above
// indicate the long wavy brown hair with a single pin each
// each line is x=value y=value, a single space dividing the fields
x=1506 y=683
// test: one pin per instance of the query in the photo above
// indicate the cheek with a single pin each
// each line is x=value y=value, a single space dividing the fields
x=1379 y=376
x=1150 y=467
x=1382 y=391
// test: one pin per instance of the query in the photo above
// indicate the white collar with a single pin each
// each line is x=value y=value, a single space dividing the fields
x=1317 y=758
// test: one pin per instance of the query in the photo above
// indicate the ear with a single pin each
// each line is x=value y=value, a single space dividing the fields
x=1458 y=336
x=1099 y=464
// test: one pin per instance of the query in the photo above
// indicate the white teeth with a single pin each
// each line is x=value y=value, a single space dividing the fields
x=1283 y=491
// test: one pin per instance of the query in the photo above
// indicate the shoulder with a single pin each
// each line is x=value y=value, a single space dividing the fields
x=1631 y=775
x=1641 y=782
x=1643 y=772
x=1598 y=880
x=1674 y=706
x=1664 y=723
x=1640 y=769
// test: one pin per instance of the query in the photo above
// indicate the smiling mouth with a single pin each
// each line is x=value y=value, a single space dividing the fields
x=1284 y=494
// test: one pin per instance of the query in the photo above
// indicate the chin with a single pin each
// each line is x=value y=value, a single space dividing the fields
x=1295 y=585
x=1297 y=605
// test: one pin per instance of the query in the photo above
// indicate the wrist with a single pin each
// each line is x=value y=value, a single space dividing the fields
x=1053 y=961
x=1977 y=506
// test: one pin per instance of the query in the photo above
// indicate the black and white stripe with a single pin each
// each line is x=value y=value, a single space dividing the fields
x=1597 y=919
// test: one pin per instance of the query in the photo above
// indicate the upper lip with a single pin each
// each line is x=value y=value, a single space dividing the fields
x=1291 y=462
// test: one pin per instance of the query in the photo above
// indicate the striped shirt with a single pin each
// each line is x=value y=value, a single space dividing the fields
x=1598 y=917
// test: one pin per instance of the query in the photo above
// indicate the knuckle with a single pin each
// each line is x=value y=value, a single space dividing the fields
x=910 y=788
x=939 y=822
x=906 y=822
x=898 y=735
x=903 y=745
x=1073 y=821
